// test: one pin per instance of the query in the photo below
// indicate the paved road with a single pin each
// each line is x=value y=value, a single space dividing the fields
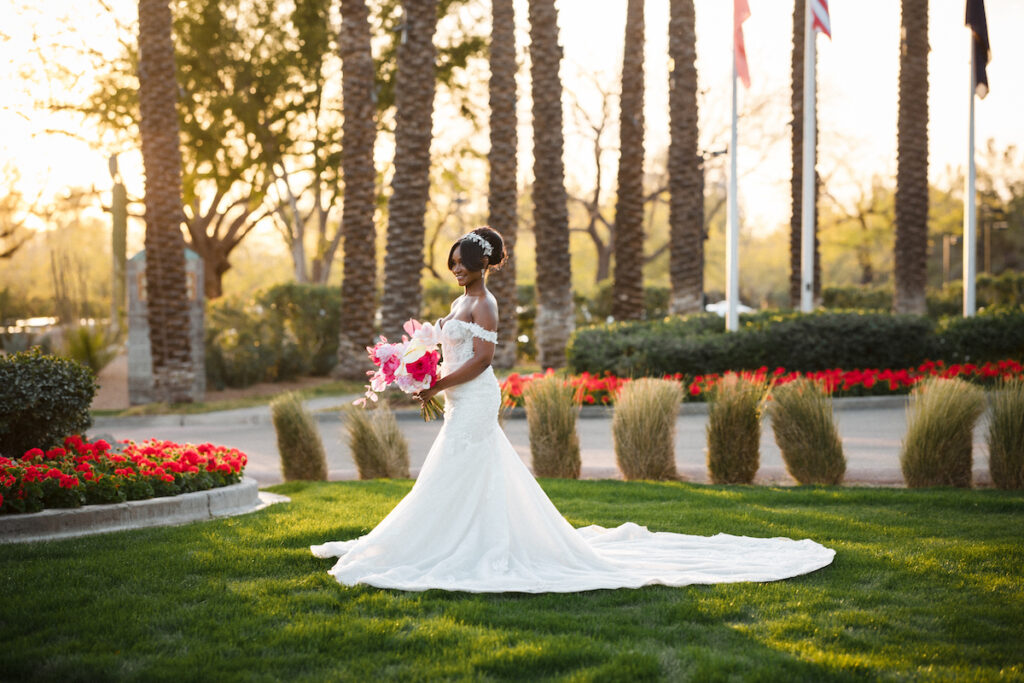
x=871 y=429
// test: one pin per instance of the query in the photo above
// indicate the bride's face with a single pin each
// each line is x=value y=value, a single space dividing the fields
x=463 y=275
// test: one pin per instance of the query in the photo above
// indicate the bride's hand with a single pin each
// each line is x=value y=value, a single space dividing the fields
x=425 y=395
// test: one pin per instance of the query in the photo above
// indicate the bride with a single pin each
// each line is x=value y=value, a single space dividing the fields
x=477 y=521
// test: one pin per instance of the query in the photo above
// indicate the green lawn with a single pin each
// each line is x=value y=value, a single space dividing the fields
x=926 y=585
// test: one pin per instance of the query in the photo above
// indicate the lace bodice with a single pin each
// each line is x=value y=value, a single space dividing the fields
x=457 y=342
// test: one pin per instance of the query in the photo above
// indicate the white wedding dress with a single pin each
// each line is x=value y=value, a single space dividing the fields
x=477 y=521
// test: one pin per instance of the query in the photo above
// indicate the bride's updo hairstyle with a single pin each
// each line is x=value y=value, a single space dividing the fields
x=475 y=245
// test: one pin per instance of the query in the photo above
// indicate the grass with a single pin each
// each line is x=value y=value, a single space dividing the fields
x=1006 y=435
x=551 y=411
x=806 y=432
x=937 y=448
x=734 y=429
x=378 y=447
x=927 y=585
x=298 y=440
x=644 y=428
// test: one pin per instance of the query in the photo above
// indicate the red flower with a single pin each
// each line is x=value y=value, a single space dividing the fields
x=424 y=366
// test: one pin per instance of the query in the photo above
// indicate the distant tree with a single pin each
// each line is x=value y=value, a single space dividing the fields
x=685 y=165
x=14 y=214
x=628 y=282
x=166 y=290
x=911 y=248
x=555 y=313
x=502 y=188
x=358 y=288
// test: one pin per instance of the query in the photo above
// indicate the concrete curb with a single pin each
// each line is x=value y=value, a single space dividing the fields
x=226 y=501
x=327 y=410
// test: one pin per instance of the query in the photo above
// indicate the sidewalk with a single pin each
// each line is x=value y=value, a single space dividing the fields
x=871 y=429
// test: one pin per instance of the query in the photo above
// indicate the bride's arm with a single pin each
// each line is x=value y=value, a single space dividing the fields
x=484 y=315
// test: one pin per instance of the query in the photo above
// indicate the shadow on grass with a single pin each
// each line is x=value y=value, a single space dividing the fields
x=925 y=585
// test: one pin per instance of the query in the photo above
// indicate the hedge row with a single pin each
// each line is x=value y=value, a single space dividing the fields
x=1004 y=290
x=697 y=344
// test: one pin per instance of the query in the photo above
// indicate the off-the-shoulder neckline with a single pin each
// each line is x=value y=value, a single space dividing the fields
x=472 y=324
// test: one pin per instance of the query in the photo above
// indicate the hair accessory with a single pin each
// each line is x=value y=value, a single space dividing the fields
x=480 y=241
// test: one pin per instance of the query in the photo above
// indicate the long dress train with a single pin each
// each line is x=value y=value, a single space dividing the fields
x=477 y=521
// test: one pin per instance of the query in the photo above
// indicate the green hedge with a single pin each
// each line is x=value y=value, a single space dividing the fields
x=1004 y=290
x=697 y=344
x=43 y=399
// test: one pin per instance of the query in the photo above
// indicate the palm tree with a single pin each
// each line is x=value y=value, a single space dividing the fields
x=166 y=290
x=359 y=131
x=685 y=165
x=628 y=282
x=912 y=161
x=502 y=193
x=414 y=116
x=796 y=179
x=555 y=315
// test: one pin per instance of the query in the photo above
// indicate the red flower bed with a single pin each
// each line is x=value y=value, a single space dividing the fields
x=601 y=390
x=84 y=473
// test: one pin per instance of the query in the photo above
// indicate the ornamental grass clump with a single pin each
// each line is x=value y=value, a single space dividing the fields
x=940 y=427
x=378 y=448
x=1006 y=435
x=734 y=429
x=644 y=428
x=551 y=410
x=806 y=432
x=298 y=440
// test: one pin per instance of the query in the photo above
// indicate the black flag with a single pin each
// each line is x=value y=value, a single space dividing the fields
x=975 y=20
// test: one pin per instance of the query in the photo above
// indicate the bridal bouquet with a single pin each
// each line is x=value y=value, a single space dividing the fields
x=411 y=364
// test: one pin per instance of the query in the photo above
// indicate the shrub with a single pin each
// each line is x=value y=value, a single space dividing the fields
x=802 y=420
x=734 y=429
x=551 y=410
x=298 y=440
x=1006 y=289
x=940 y=425
x=697 y=344
x=91 y=346
x=305 y=317
x=990 y=335
x=44 y=399
x=378 y=447
x=1006 y=435
x=644 y=428
x=284 y=332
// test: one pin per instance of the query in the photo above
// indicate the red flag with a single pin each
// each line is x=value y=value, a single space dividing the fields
x=975 y=20
x=740 y=13
x=819 y=10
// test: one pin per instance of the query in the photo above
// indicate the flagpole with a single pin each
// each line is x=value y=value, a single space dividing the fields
x=732 y=243
x=970 y=205
x=809 y=178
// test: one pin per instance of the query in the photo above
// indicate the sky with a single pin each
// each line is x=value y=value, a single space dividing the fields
x=857 y=76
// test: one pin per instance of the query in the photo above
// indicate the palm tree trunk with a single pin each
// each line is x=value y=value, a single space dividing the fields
x=502 y=190
x=628 y=283
x=555 y=314
x=167 y=297
x=911 y=203
x=414 y=115
x=359 y=131
x=796 y=179
x=685 y=165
